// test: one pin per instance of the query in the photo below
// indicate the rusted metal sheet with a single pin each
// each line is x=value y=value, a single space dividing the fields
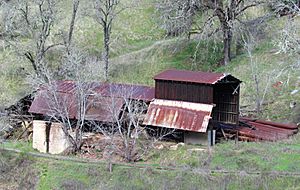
x=178 y=115
x=191 y=76
x=279 y=125
x=136 y=92
x=60 y=98
x=60 y=104
x=50 y=103
x=106 y=109
x=252 y=130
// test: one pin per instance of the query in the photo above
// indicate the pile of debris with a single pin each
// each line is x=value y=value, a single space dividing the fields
x=260 y=130
x=16 y=121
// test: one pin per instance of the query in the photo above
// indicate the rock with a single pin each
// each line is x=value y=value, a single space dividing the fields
x=196 y=149
x=159 y=147
x=294 y=92
x=174 y=147
x=181 y=144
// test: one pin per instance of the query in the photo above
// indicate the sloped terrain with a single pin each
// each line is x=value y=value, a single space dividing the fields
x=139 y=51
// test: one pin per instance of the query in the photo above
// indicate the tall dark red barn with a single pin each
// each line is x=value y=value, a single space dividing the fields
x=219 y=89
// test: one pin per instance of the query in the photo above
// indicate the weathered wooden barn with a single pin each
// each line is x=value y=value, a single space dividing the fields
x=220 y=89
x=194 y=103
x=183 y=100
x=188 y=101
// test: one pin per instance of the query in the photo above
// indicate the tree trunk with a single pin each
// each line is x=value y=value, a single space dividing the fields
x=227 y=38
x=106 y=52
x=29 y=56
x=72 y=23
x=239 y=46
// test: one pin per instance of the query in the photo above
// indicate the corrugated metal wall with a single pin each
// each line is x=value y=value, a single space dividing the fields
x=184 y=91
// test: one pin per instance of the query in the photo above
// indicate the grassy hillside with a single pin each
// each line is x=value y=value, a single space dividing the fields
x=139 y=51
x=242 y=166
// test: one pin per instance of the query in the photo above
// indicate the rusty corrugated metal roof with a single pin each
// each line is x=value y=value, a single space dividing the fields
x=106 y=109
x=192 y=76
x=102 y=96
x=260 y=130
x=137 y=92
x=178 y=115
x=99 y=109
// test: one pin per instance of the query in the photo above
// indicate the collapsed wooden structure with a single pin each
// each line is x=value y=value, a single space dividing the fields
x=192 y=102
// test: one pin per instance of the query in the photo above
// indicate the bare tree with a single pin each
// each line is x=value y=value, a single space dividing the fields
x=273 y=80
x=75 y=7
x=259 y=88
x=228 y=13
x=177 y=16
x=69 y=108
x=285 y=7
x=30 y=20
x=127 y=136
x=105 y=13
x=289 y=38
x=29 y=29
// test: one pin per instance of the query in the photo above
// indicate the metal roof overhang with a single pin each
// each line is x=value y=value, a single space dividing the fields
x=178 y=115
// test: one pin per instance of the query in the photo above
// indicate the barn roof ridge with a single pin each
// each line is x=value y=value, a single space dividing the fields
x=192 y=76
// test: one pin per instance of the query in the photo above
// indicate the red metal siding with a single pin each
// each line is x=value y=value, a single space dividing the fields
x=184 y=91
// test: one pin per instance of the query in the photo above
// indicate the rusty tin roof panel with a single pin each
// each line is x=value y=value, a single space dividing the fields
x=65 y=105
x=178 y=115
x=266 y=130
x=106 y=109
x=191 y=76
x=137 y=92
x=44 y=103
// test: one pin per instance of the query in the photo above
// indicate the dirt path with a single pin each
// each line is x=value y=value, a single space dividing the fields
x=125 y=58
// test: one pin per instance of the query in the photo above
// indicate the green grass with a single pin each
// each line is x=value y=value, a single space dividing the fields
x=54 y=174
x=269 y=158
x=133 y=29
x=12 y=74
x=243 y=156
x=176 y=54
x=24 y=146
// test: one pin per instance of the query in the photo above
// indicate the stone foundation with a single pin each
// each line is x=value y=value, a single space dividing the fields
x=49 y=137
